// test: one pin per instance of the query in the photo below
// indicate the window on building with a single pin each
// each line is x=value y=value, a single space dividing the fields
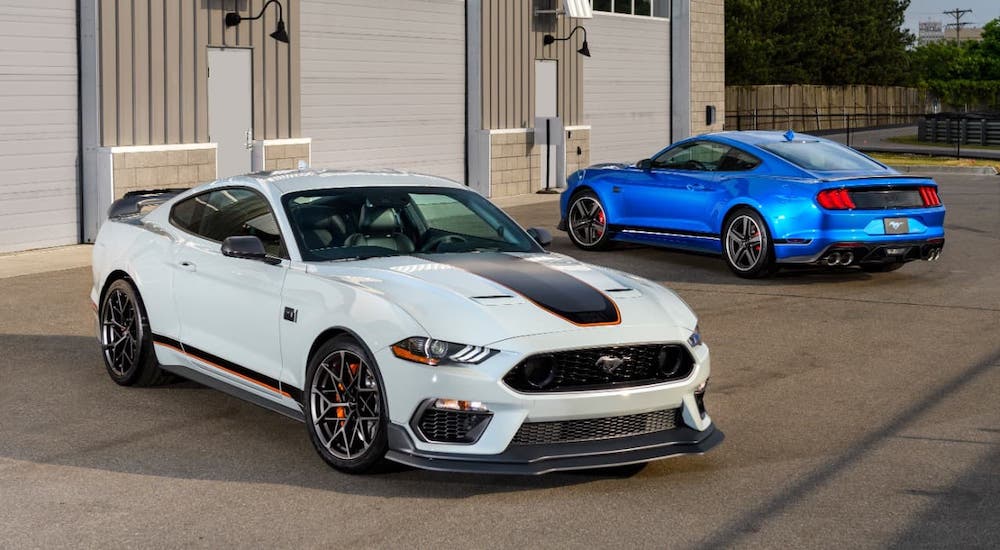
x=654 y=8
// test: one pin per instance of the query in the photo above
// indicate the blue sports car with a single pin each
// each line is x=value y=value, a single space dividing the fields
x=760 y=199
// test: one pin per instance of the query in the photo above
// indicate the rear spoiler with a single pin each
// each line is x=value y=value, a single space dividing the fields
x=878 y=177
x=134 y=201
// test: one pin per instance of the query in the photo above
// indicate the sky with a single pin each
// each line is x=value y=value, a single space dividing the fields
x=922 y=10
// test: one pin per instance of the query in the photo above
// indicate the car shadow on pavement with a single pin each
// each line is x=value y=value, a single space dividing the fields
x=59 y=407
x=677 y=266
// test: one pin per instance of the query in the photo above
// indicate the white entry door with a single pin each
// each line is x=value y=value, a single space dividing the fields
x=230 y=108
x=549 y=132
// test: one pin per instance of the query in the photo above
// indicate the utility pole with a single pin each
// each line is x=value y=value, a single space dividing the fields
x=957 y=14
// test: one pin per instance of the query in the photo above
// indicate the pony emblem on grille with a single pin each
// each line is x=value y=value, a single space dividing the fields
x=610 y=363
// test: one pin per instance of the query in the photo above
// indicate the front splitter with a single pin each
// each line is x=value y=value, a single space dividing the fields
x=542 y=459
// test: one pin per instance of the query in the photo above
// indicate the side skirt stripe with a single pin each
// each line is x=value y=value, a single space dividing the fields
x=219 y=363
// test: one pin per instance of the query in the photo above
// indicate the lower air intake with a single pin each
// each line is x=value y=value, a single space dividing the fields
x=593 y=429
x=445 y=426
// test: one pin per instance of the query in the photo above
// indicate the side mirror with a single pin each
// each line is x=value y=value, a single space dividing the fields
x=541 y=236
x=247 y=247
x=645 y=165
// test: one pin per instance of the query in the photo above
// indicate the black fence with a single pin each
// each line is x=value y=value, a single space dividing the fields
x=819 y=123
x=960 y=128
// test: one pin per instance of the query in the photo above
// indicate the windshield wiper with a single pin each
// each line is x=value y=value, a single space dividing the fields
x=361 y=257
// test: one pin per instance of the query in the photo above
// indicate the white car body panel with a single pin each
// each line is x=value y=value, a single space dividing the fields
x=233 y=309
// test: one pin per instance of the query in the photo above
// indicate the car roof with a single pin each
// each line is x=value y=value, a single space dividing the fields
x=759 y=137
x=292 y=181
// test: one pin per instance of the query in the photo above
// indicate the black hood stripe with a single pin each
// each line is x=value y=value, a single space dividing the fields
x=552 y=290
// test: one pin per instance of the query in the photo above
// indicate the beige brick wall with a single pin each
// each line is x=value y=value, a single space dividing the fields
x=134 y=170
x=514 y=164
x=515 y=161
x=285 y=157
x=708 y=63
x=577 y=139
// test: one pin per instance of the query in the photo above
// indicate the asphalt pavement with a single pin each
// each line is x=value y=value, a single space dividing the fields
x=860 y=411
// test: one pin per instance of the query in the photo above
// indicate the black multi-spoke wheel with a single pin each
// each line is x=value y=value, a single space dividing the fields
x=746 y=245
x=347 y=419
x=587 y=222
x=125 y=338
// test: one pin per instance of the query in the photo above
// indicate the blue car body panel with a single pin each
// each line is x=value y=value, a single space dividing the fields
x=687 y=208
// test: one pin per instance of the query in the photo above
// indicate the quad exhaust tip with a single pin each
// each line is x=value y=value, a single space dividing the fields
x=839 y=258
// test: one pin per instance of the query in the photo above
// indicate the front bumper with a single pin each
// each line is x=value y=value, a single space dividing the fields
x=410 y=386
x=542 y=459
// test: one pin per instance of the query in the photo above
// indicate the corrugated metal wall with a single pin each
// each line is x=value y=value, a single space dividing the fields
x=383 y=84
x=628 y=122
x=38 y=124
x=512 y=40
x=153 y=68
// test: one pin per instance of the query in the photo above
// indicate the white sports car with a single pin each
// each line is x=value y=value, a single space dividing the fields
x=401 y=317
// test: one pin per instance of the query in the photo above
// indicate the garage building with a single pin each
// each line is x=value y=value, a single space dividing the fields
x=101 y=97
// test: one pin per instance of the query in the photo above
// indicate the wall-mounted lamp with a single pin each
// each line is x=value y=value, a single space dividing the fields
x=279 y=34
x=584 y=49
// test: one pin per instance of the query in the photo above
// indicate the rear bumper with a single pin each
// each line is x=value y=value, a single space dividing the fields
x=873 y=251
x=541 y=459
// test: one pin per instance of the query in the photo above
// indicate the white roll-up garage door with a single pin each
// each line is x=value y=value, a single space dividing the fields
x=383 y=84
x=626 y=98
x=38 y=124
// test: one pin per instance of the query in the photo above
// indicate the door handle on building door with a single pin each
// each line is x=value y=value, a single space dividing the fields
x=249 y=138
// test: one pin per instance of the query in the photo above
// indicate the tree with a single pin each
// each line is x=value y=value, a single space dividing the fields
x=966 y=74
x=816 y=42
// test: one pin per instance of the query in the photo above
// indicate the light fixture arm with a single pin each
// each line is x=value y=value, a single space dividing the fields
x=233 y=21
x=280 y=34
x=548 y=38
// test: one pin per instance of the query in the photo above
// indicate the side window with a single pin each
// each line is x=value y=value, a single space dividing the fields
x=736 y=160
x=701 y=156
x=229 y=212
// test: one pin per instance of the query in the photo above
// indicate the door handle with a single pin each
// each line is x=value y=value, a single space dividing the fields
x=695 y=187
x=249 y=138
x=188 y=266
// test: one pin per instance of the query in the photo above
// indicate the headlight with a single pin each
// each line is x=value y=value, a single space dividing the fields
x=695 y=339
x=435 y=352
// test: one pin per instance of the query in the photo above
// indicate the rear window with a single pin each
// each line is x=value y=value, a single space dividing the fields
x=821 y=156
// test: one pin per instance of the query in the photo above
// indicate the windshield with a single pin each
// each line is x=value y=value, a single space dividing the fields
x=821 y=156
x=365 y=222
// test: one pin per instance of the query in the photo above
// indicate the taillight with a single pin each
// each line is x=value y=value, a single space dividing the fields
x=835 y=199
x=930 y=196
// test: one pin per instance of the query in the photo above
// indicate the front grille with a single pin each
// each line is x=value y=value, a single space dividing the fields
x=593 y=429
x=443 y=426
x=601 y=368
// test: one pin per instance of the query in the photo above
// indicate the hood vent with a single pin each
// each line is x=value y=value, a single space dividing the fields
x=497 y=300
x=622 y=292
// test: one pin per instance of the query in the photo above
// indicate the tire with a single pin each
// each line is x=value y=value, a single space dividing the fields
x=747 y=247
x=587 y=222
x=882 y=268
x=332 y=379
x=126 y=340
